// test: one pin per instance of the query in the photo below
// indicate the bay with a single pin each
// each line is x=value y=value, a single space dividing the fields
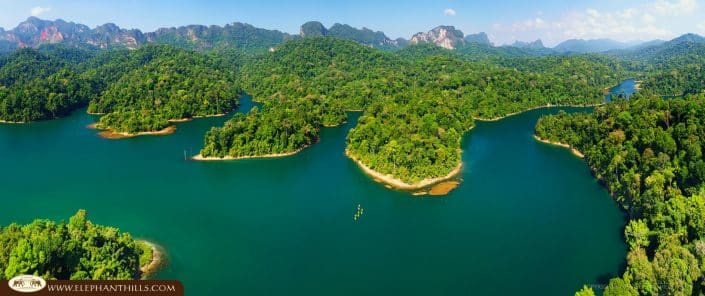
x=528 y=217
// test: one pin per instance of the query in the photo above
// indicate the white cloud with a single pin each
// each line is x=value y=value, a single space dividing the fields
x=449 y=12
x=675 y=8
x=653 y=19
x=701 y=27
x=38 y=10
x=648 y=18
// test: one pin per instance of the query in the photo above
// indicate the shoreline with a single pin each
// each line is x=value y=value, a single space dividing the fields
x=187 y=119
x=12 y=122
x=211 y=115
x=157 y=260
x=199 y=157
x=535 y=108
x=393 y=182
x=336 y=125
x=575 y=152
x=180 y=120
x=113 y=135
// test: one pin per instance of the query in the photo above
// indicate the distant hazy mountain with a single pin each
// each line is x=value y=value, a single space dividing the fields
x=538 y=44
x=588 y=46
x=479 y=38
x=692 y=38
x=685 y=45
x=647 y=44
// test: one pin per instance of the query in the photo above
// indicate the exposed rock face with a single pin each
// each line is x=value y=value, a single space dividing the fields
x=443 y=36
x=35 y=31
x=110 y=35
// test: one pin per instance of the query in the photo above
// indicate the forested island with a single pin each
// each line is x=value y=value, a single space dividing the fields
x=282 y=128
x=77 y=250
x=648 y=153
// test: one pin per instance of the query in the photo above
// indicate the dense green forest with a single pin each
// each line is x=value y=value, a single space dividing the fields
x=173 y=84
x=77 y=250
x=429 y=93
x=337 y=69
x=649 y=154
x=674 y=69
x=410 y=138
x=139 y=90
x=282 y=126
x=37 y=85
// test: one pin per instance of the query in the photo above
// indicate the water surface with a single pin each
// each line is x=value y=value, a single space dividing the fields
x=624 y=89
x=528 y=218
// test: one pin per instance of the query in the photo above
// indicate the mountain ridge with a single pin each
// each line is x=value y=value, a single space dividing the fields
x=35 y=32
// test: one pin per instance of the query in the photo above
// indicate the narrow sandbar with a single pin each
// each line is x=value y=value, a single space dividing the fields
x=393 y=182
x=200 y=157
x=576 y=152
x=113 y=135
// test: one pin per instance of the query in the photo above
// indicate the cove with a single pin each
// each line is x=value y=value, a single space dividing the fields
x=625 y=88
x=528 y=217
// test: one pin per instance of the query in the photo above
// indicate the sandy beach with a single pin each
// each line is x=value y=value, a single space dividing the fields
x=12 y=122
x=393 y=182
x=180 y=120
x=576 y=152
x=443 y=188
x=200 y=157
x=155 y=264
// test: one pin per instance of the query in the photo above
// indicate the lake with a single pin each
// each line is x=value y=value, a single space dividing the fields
x=528 y=217
x=626 y=89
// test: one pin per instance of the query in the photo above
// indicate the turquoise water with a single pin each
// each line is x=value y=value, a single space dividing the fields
x=528 y=218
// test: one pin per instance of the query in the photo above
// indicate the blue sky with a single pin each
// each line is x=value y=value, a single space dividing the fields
x=505 y=21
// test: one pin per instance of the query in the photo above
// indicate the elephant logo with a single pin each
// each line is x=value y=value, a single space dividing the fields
x=27 y=283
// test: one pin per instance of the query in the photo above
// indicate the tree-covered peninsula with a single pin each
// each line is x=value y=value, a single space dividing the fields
x=174 y=84
x=77 y=250
x=416 y=103
x=138 y=91
x=649 y=154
